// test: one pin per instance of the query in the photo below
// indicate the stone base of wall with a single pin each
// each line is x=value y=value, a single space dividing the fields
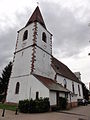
x=71 y=105
x=68 y=106
x=74 y=104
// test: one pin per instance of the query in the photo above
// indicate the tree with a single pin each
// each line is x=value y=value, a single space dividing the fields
x=4 y=79
x=85 y=91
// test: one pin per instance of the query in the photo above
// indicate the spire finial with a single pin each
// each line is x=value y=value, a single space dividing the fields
x=37 y=3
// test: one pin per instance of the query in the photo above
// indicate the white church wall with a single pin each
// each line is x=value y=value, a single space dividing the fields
x=60 y=79
x=22 y=63
x=52 y=97
x=29 y=85
x=43 y=64
x=23 y=91
x=37 y=86
x=73 y=98
x=61 y=94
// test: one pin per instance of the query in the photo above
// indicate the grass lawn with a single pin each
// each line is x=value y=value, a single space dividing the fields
x=8 y=107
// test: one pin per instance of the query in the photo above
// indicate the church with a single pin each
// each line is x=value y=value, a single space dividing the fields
x=36 y=72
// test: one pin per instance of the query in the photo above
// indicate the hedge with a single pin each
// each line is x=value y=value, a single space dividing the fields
x=34 y=106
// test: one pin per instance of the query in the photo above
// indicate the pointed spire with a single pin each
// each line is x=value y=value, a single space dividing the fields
x=36 y=17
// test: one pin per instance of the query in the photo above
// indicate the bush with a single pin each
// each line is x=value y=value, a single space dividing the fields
x=23 y=106
x=62 y=103
x=34 y=106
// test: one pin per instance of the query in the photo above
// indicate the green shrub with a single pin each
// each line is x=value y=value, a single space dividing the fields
x=34 y=106
x=23 y=106
x=62 y=102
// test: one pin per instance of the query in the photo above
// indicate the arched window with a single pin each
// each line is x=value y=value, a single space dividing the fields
x=17 y=88
x=73 y=90
x=65 y=83
x=44 y=38
x=79 y=90
x=25 y=35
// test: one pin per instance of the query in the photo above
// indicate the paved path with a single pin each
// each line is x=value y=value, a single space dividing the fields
x=81 y=110
x=79 y=113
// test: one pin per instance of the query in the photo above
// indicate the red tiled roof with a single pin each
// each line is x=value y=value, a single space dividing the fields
x=51 y=84
x=36 y=17
x=63 y=70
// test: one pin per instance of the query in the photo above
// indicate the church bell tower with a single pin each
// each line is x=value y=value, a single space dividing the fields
x=32 y=55
x=33 y=47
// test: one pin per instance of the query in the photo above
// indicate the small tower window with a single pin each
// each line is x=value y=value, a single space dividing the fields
x=17 y=88
x=44 y=38
x=25 y=35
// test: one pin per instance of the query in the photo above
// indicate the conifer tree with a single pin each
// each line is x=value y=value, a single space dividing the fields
x=4 y=79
